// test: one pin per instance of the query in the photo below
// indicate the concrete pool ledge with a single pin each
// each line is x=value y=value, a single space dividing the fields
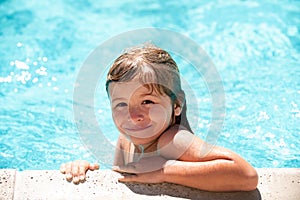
x=281 y=183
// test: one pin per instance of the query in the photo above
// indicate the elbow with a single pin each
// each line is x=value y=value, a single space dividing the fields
x=250 y=180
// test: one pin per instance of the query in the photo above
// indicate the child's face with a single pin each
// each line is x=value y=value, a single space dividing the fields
x=140 y=115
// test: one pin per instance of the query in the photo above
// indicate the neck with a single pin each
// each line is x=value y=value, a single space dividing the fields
x=146 y=148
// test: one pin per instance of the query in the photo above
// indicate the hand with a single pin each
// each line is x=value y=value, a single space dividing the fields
x=76 y=170
x=146 y=170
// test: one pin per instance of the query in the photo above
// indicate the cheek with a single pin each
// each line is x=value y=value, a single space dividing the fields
x=118 y=116
x=159 y=114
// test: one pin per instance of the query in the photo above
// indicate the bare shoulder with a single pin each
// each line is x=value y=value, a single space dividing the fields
x=175 y=135
x=122 y=146
x=176 y=141
x=123 y=143
x=180 y=144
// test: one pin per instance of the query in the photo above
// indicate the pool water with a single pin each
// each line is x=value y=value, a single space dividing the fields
x=255 y=47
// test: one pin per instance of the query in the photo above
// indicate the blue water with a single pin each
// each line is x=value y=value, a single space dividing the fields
x=255 y=47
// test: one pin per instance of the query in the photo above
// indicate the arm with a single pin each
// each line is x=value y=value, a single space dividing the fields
x=187 y=160
x=194 y=163
x=119 y=155
x=214 y=175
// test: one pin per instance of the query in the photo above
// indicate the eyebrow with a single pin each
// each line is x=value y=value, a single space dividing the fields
x=118 y=99
x=142 y=95
x=150 y=94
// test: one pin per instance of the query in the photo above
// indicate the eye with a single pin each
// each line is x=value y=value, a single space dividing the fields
x=120 y=105
x=145 y=102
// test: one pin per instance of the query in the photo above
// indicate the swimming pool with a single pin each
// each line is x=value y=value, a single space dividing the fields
x=255 y=47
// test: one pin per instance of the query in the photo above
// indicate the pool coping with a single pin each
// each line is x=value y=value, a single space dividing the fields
x=274 y=183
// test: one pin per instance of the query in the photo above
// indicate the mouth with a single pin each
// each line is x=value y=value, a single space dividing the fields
x=136 y=128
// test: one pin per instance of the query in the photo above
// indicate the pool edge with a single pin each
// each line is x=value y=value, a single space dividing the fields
x=274 y=183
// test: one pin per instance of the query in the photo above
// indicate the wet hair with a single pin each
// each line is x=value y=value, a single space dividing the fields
x=156 y=70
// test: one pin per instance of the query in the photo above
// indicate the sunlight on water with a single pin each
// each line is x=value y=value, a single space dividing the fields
x=255 y=48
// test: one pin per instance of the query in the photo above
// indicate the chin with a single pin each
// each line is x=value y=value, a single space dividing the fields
x=140 y=141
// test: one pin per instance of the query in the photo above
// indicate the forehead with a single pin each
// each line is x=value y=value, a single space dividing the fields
x=127 y=89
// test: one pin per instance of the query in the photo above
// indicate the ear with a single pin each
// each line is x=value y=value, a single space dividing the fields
x=179 y=103
x=177 y=110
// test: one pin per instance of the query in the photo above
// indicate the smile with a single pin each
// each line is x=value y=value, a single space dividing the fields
x=135 y=129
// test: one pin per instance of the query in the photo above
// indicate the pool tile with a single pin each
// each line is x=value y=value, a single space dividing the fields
x=7 y=182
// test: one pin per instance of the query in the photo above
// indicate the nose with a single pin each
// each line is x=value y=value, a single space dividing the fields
x=136 y=114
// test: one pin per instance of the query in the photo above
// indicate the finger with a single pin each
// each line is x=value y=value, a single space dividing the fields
x=82 y=170
x=128 y=178
x=75 y=169
x=124 y=168
x=94 y=166
x=63 y=168
x=69 y=177
x=81 y=173
x=68 y=171
x=81 y=178
x=75 y=179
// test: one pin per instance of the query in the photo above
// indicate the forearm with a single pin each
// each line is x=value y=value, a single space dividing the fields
x=215 y=175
